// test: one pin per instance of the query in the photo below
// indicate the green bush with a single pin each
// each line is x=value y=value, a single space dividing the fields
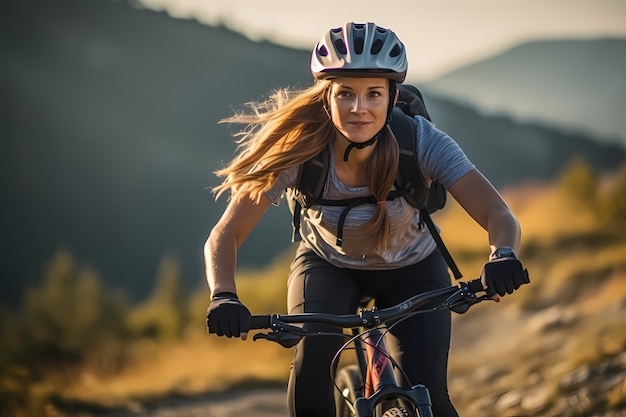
x=67 y=317
x=612 y=207
x=579 y=181
x=163 y=316
x=61 y=322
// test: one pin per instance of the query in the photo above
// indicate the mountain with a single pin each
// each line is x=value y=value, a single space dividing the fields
x=509 y=152
x=110 y=136
x=577 y=85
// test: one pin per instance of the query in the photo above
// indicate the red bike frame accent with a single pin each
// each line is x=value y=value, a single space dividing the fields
x=379 y=366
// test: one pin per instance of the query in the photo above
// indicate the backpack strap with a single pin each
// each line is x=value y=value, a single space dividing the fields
x=409 y=176
x=349 y=204
x=439 y=241
x=311 y=179
x=411 y=180
x=296 y=210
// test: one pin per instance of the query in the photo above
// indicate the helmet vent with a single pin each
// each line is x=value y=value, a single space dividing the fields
x=376 y=46
x=322 y=51
x=395 y=51
x=340 y=46
x=358 y=45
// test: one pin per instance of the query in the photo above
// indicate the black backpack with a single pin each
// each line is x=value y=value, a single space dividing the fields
x=409 y=183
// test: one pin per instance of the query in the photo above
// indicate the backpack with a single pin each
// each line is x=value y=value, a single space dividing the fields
x=410 y=183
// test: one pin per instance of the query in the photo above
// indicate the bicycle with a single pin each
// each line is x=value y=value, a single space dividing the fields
x=370 y=388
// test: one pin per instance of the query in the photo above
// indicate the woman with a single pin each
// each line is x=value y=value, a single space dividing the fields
x=385 y=253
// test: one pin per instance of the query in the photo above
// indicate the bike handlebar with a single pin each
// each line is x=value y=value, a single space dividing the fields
x=461 y=296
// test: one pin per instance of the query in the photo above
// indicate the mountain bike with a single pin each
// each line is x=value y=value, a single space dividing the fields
x=370 y=387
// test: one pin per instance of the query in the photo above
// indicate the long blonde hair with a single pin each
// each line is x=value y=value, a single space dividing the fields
x=290 y=128
x=284 y=131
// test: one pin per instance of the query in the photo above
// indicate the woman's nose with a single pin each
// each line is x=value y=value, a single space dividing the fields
x=358 y=105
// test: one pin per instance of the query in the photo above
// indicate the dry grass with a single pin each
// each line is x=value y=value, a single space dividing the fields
x=544 y=214
x=539 y=334
x=196 y=364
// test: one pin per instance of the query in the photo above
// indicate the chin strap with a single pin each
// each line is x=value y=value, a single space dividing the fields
x=353 y=145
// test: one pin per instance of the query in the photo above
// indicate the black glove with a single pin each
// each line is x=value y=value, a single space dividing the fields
x=227 y=316
x=503 y=276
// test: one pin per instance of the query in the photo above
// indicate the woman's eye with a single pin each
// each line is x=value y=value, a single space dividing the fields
x=349 y=94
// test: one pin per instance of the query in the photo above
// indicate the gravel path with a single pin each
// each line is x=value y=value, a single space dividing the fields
x=267 y=402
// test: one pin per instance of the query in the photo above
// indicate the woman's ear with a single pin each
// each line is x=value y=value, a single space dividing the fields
x=395 y=100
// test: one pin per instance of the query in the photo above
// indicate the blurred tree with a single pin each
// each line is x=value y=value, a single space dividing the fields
x=15 y=396
x=197 y=308
x=67 y=319
x=164 y=314
x=612 y=209
x=579 y=181
x=69 y=315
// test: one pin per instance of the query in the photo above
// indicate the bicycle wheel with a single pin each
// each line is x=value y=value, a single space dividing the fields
x=350 y=384
x=398 y=411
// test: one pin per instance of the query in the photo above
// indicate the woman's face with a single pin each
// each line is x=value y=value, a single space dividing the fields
x=358 y=106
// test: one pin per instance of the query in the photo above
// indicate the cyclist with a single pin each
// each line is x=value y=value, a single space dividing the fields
x=385 y=253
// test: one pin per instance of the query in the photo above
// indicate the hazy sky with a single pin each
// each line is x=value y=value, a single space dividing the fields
x=439 y=34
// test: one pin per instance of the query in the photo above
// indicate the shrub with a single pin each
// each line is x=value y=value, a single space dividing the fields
x=612 y=207
x=163 y=315
x=68 y=316
x=579 y=181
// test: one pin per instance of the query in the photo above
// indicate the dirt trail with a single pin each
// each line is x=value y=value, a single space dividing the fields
x=267 y=402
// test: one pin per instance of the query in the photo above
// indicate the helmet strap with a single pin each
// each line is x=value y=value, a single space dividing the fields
x=393 y=88
x=357 y=145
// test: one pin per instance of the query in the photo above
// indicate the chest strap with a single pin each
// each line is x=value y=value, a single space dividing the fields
x=349 y=204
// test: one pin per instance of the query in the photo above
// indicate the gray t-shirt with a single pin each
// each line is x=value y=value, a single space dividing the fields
x=440 y=158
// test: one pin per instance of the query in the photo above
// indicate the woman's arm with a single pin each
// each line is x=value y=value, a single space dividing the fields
x=220 y=249
x=485 y=205
x=501 y=275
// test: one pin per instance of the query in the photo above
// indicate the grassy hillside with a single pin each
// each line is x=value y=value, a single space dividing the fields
x=554 y=348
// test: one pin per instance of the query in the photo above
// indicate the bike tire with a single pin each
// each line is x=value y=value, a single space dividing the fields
x=397 y=411
x=350 y=384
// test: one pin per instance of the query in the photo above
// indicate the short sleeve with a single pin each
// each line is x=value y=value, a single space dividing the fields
x=441 y=158
x=286 y=179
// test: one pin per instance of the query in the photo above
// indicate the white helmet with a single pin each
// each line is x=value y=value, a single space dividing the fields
x=359 y=50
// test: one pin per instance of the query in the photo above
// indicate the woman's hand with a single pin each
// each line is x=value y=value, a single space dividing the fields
x=227 y=316
x=503 y=276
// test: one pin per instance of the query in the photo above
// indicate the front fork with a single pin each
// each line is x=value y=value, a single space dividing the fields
x=379 y=377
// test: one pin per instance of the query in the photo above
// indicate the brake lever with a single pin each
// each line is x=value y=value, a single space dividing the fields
x=284 y=334
x=462 y=300
x=286 y=340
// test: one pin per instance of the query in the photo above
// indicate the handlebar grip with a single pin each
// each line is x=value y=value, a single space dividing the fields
x=475 y=285
x=260 y=322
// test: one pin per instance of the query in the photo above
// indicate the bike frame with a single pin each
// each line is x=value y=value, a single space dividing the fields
x=379 y=368
x=378 y=375
x=374 y=362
